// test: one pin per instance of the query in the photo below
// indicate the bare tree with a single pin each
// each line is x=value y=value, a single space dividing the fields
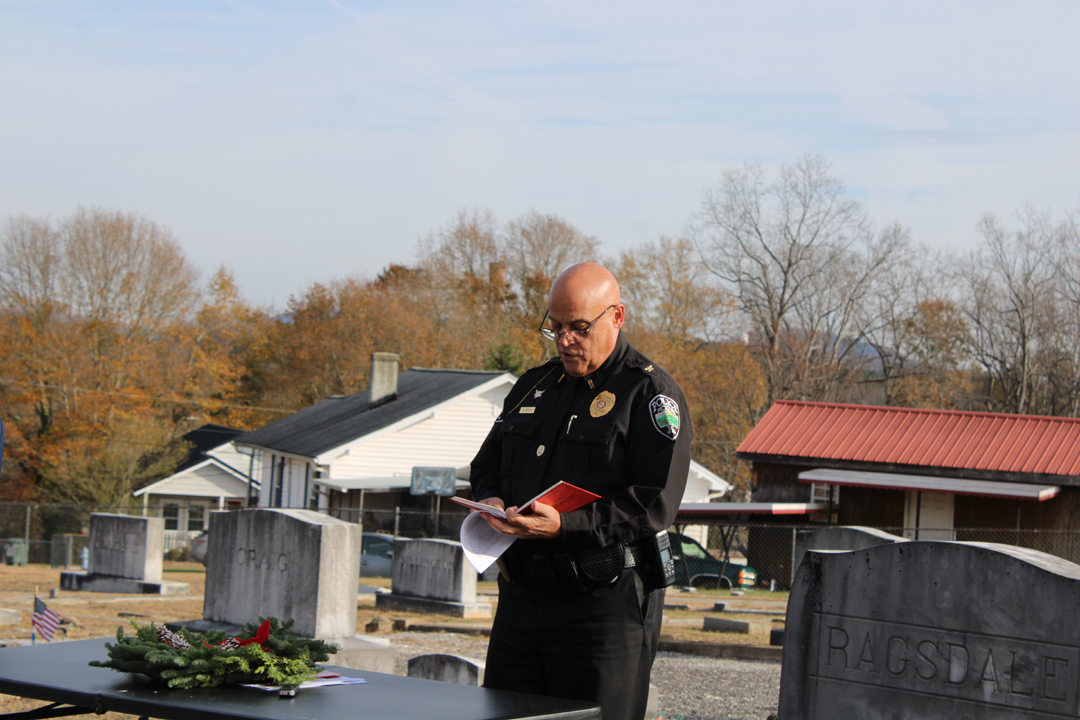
x=1068 y=272
x=1010 y=284
x=538 y=248
x=916 y=332
x=671 y=293
x=799 y=257
x=30 y=269
x=465 y=248
x=123 y=269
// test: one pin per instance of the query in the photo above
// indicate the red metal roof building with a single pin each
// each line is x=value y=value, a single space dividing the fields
x=909 y=468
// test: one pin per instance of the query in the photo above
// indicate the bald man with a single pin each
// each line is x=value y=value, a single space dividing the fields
x=581 y=593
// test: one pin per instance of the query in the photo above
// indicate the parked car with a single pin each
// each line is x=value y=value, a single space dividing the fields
x=696 y=567
x=376 y=555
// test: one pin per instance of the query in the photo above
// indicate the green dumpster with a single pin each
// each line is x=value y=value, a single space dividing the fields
x=14 y=551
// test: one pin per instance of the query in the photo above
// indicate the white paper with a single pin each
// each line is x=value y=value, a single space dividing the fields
x=317 y=682
x=481 y=542
x=480 y=506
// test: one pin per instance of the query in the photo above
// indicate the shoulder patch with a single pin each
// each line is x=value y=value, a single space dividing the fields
x=665 y=416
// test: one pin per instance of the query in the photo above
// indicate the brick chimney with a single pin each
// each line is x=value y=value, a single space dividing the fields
x=384 y=373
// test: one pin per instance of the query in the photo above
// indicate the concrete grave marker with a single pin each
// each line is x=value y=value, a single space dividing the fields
x=289 y=564
x=433 y=576
x=932 y=630
x=297 y=564
x=447 y=668
x=126 y=556
x=841 y=537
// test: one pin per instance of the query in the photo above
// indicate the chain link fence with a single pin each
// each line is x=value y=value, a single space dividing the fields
x=56 y=535
x=771 y=549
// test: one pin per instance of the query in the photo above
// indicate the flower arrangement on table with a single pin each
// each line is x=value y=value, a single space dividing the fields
x=269 y=653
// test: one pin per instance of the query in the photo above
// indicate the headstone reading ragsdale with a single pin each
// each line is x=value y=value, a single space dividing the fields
x=934 y=631
x=433 y=576
x=126 y=556
x=297 y=564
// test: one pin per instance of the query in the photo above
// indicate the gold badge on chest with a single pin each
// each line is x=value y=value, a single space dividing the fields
x=602 y=404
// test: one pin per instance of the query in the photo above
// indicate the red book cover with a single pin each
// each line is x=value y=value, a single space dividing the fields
x=562 y=496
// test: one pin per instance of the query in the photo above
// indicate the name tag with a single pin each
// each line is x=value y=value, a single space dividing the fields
x=527 y=410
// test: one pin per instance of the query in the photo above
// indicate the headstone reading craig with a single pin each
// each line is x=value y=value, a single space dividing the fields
x=297 y=564
x=126 y=556
x=289 y=564
x=932 y=630
x=433 y=576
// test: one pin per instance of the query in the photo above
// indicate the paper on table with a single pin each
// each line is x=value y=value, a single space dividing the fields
x=317 y=682
x=481 y=542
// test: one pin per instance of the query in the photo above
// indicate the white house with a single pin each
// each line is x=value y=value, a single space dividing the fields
x=212 y=477
x=357 y=452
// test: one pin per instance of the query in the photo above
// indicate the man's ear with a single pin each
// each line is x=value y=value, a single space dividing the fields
x=620 y=315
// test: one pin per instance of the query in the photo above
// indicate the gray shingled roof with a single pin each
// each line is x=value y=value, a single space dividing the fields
x=340 y=420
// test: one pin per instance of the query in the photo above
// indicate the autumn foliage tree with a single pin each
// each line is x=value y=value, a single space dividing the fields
x=85 y=305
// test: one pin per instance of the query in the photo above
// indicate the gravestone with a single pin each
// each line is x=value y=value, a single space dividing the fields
x=447 y=668
x=736 y=626
x=433 y=576
x=932 y=630
x=297 y=564
x=289 y=564
x=126 y=556
x=841 y=537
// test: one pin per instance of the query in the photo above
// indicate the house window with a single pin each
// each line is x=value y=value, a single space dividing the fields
x=196 y=515
x=171 y=513
x=278 y=488
x=820 y=493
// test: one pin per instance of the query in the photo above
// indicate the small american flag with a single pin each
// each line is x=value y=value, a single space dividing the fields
x=44 y=620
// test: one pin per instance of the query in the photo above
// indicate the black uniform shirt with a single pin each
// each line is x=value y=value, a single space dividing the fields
x=622 y=432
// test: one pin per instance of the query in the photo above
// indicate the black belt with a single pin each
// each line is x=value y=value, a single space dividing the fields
x=569 y=572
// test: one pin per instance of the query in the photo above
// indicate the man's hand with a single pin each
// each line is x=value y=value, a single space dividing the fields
x=544 y=522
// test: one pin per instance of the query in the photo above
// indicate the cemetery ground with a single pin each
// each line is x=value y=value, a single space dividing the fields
x=685 y=644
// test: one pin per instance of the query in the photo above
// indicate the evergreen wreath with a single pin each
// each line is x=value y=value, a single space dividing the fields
x=271 y=654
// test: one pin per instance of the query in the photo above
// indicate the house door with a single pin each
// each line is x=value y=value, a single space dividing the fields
x=928 y=515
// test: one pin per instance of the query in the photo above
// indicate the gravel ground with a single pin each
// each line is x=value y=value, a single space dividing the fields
x=692 y=688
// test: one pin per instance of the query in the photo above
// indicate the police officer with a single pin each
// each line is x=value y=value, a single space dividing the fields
x=581 y=593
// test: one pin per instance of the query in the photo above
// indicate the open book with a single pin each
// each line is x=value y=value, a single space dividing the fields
x=483 y=544
x=562 y=496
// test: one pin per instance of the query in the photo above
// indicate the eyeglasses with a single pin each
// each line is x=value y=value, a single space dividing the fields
x=574 y=333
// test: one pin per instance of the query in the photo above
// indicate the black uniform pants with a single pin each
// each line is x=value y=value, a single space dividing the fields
x=598 y=646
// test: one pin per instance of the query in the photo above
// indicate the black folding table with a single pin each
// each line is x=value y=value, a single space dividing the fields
x=58 y=673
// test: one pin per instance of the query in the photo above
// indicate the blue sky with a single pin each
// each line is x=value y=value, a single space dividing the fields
x=301 y=142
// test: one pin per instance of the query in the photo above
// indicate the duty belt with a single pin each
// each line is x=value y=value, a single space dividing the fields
x=560 y=573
